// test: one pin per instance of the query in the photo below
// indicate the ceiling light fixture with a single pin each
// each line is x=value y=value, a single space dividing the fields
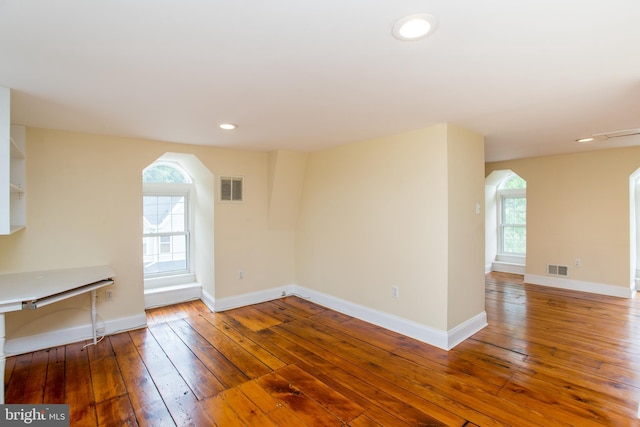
x=583 y=140
x=617 y=133
x=415 y=27
x=227 y=126
x=609 y=135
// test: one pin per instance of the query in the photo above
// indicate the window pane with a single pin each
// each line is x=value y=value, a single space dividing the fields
x=514 y=239
x=164 y=214
x=177 y=223
x=165 y=243
x=164 y=206
x=150 y=213
x=165 y=254
x=514 y=182
x=514 y=210
x=164 y=173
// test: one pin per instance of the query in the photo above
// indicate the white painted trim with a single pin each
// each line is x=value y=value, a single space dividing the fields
x=466 y=329
x=488 y=268
x=507 y=267
x=435 y=337
x=242 y=300
x=578 y=285
x=438 y=338
x=445 y=340
x=208 y=300
x=168 y=295
x=172 y=280
x=74 y=334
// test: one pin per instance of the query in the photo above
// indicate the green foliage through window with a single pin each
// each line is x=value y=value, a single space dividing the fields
x=164 y=173
x=513 y=216
x=514 y=210
x=514 y=181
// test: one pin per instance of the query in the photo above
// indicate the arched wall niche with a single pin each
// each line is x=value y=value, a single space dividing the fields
x=203 y=266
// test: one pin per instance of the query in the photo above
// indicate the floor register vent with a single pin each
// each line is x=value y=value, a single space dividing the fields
x=557 y=270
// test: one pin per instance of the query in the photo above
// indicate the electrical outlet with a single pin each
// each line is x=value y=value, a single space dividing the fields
x=395 y=291
x=578 y=262
x=99 y=296
x=240 y=275
x=108 y=295
x=100 y=331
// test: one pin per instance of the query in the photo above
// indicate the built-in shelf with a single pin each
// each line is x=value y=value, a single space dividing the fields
x=16 y=151
x=15 y=189
x=12 y=159
x=15 y=228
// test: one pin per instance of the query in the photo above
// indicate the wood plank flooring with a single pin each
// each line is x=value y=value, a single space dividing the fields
x=548 y=358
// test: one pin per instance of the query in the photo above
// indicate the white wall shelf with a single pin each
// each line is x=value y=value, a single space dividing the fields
x=17 y=152
x=12 y=169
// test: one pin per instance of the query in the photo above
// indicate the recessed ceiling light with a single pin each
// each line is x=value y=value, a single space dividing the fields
x=227 y=126
x=415 y=27
x=582 y=140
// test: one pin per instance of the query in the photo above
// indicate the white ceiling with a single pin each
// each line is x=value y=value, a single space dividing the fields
x=532 y=76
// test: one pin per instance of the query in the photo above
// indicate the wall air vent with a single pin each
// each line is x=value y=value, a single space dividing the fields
x=557 y=270
x=231 y=189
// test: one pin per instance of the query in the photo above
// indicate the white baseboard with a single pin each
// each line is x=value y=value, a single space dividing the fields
x=227 y=303
x=71 y=335
x=442 y=339
x=464 y=330
x=160 y=297
x=445 y=340
x=208 y=300
x=578 y=285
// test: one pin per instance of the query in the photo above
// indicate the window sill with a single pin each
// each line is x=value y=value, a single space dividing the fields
x=162 y=282
x=511 y=259
x=172 y=288
x=169 y=295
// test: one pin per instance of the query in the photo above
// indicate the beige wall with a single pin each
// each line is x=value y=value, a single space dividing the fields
x=466 y=225
x=578 y=208
x=286 y=174
x=84 y=208
x=375 y=214
x=351 y=222
x=396 y=211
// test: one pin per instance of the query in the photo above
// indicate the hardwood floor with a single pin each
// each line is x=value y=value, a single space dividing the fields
x=548 y=358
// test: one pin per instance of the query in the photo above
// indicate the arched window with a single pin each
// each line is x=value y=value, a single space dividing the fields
x=165 y=173
x=166 y=230
x=512 y=216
